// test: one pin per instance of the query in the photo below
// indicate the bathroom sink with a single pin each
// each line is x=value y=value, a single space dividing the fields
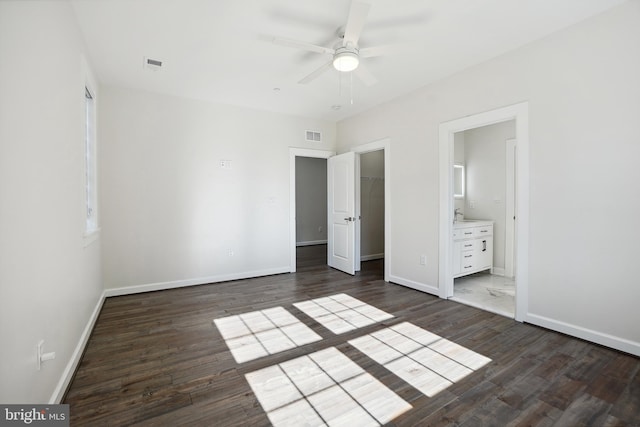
x=464 y=223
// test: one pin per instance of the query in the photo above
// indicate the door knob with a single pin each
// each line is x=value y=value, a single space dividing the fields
x=349 y=218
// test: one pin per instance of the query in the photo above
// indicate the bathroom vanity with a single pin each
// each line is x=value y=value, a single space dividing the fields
x=472 y=247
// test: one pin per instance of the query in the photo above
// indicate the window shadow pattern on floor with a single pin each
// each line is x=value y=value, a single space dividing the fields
x=257 y=334
x=425 y=360
x=324 y=388
x=342 y=313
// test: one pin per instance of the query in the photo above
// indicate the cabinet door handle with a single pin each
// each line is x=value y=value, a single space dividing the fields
x=468 y=256
x=484 y=245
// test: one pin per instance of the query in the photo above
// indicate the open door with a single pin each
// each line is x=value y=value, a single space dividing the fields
x=341 y=221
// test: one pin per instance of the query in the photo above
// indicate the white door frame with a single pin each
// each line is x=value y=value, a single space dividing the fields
x=293 y=153
x=381 y=144
x=511 y=201
x=519 y=112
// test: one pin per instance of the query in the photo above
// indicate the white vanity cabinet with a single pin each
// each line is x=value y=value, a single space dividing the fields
x=472 y=247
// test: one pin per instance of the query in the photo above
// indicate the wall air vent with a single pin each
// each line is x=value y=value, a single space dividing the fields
x=152 y=64
x=313 y=136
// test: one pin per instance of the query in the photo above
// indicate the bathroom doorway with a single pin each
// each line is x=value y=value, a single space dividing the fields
x=484 y=197
x=518 y=115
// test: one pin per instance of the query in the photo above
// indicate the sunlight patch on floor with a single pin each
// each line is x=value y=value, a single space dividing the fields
x=257 y=334
x=342 y=313
x=425 y=360
x=324 y=388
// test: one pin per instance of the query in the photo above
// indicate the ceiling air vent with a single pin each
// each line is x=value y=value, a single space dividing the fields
x=313 y=136
x=152 y=64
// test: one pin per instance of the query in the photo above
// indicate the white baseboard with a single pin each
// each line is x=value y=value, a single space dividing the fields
x=497 y=271
x=312 y=243
x=70 y=370
x=415 y=285
x=617 y=343
x=67 y=375
x=371 y=257
x=113 y=292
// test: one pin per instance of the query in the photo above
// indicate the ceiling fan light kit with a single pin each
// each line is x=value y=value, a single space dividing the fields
x=346 y=59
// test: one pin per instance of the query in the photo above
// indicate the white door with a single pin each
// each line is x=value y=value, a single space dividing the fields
x=341 y=206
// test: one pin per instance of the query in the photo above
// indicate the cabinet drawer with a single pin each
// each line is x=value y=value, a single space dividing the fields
x=466 y=233
x=483 y=231
x=468 y=262
x=468 y=245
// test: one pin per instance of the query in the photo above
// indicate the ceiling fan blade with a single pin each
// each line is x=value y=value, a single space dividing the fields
x=355 y=23
x=416 y=19
x=303 y=45
x=363 y=74
x=317 y=73
x=370 y=52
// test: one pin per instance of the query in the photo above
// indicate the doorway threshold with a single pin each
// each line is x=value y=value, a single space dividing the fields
x=485 y=307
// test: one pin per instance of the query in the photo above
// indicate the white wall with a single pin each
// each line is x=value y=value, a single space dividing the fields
x=49 y=281
x=372 y=204
x=311 y=200
x=486 y=170
x=583 y=89
x=170 y=214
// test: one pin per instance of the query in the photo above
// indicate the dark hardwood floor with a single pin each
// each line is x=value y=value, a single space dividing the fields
x=157 y=358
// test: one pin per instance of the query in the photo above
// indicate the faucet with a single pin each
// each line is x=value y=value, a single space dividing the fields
x=455 y=215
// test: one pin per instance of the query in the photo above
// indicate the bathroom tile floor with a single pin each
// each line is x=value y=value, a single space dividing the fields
x=487 y=292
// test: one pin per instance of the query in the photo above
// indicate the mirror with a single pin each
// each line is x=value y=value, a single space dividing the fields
x=458 y=181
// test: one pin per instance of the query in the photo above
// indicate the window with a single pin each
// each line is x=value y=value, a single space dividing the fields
x=91 y=196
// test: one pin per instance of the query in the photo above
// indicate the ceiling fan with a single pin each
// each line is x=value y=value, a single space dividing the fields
x=346 y=54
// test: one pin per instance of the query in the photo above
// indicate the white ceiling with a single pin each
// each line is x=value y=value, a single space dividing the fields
x=221 y=50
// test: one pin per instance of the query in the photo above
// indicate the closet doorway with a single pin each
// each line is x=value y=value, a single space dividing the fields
x=372 y=198
x=372 y=206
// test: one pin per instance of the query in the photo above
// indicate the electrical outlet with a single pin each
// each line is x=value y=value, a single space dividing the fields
x=231 y=252
x=423 y=260
x=320 y=229
x=41 y=356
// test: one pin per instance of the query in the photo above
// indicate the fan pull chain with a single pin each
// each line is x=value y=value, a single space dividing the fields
x=351 y=86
